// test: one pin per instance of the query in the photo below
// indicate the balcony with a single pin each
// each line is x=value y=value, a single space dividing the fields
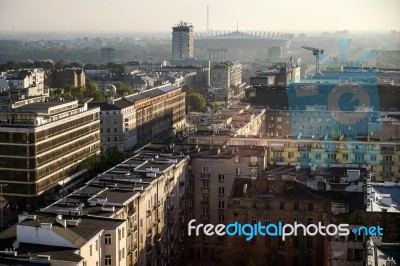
x=304 y=148
x=148 y=213
x=131 y=211
x=387 y=151
x=133 y=247
x=278 y=159
x=157 y=237
x=205 y=175
x=387 y=173
x=331 y=161
x=360 y=161
x=170 y=208
x=204 y=203
x=303 y=160
x=387 y=162
x=277 y=148
x=205 y=217
x=205 y=190
x=333 y=149
x=253 y=164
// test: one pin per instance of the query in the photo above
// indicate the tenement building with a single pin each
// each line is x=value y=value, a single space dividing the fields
x=148 y=192
x=211 y=176
x=281 y=199
x=41 y=142
x=55 y=239
x=134 y=120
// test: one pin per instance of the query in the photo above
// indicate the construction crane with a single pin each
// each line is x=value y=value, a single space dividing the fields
x=316 y=52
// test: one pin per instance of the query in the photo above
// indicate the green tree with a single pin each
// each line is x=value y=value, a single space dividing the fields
x=123 y=88
x=195 y=102
x=92 y=90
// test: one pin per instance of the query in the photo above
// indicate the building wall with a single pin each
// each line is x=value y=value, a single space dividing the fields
x=36 y=158
x=211 y=177
x=182 y=41
x=118 y=128
x=68 y=78
x=381 y=156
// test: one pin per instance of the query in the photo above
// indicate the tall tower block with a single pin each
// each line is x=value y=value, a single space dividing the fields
x=182 y=41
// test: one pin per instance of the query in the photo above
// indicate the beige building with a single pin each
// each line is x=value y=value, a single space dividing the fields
x=134 y=120
x=42 y=141
x=273 y=200
x=211 y=177
x=182 y=41
x=147 y=191
x=65 y=241
x=382 y=157
x=225 y=74
x=28 y=82
x=236 y=119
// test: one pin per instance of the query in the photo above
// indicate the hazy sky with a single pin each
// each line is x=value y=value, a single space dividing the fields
x=161 y=15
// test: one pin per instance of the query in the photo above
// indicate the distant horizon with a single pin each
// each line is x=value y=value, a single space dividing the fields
x=159 y=16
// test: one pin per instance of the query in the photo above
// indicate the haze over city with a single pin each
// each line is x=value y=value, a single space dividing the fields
x=158 y=15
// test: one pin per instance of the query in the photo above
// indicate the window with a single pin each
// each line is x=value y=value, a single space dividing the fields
x=237 y=171
x=107 y=260
x=373 y=157
x=97 y=245
x=107 y=239
x=108 y=130
x=119 y=234
x=345 y=156
x=221 y=204
x=221 y=178
x=221 y=191
x=254 y=220
x=310 y=221
x=205 y=170
x=123 y=229
x=90 y=250
x=115 y=130
x=296 y=206
x=318 y=156
x=123 y=253
x=221 y=218
x=115 y=138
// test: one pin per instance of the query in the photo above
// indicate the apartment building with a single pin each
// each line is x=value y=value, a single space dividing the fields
x=41 y=143
x=382 y=157
x=134 y=120
x=281 y=199
x=148 y=192
x=65 y=240
x=225 y=75
x=318 y=121
x=211 y=176
x=236 y=119
x=182 y=41
x=27 y=82
x=117 y=123
x=69 y=77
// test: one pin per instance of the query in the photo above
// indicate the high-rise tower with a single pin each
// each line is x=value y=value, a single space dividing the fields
x=182 y=41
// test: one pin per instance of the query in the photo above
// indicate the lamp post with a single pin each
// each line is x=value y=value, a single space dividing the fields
x=2 y=205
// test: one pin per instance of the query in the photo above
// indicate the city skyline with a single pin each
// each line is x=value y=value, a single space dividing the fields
x=156 y=16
